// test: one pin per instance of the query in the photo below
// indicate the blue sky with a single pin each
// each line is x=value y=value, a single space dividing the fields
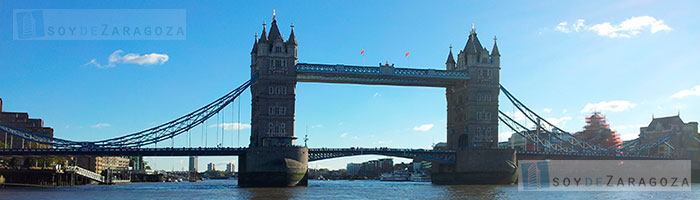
x=627 y=59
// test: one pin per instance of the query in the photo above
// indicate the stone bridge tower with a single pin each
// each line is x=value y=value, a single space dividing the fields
x=272 y=159
x=274 y=61
x=473 y=106
x=472 y=121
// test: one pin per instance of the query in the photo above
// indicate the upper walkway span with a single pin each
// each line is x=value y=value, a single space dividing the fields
x=382 y=75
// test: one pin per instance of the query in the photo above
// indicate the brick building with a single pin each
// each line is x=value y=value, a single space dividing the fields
x=22 y=121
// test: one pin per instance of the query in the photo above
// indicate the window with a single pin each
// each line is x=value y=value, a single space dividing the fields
x=483 y=116
x=277 y=110
x=282 y=128
x=278 y=90
x=278 y=49
x=463 y=141
x=270 y=127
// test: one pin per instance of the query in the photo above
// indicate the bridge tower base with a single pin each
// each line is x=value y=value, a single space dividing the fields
x=477 y=167
x=273 y=167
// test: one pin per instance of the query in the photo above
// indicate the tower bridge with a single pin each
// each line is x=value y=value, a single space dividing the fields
x=472 y=86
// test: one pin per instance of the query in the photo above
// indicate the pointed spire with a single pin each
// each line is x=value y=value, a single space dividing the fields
x=450 y=58
x=292 y=39
x=255 y=44
x=263 y=37
x=494 y=51
x=473 y=45
x=274 y=31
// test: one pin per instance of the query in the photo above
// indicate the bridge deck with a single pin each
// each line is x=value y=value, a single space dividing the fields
x=314 y=153
x=383 y=75
x=127 y=152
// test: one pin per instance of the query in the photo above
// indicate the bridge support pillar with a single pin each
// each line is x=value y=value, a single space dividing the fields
x=273 y=167
x=478 y=167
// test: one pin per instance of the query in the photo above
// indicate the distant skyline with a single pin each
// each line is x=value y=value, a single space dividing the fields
x=627 y=59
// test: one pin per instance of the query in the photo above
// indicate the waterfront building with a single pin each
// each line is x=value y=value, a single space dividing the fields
x=211 y=167
x=22 y=121
x=686 y=135
x=353 y=169
x=98 y=164
x=385 y=165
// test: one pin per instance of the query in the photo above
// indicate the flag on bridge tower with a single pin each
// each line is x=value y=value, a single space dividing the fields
x=406 y=53
x=362 y=52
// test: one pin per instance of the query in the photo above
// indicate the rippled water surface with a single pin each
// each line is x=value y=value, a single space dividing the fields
x=227 y=189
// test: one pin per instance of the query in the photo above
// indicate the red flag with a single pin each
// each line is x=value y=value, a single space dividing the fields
x=362 y=52
x=406 y=53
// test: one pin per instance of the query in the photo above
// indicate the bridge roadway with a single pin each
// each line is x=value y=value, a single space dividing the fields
x=315 y=154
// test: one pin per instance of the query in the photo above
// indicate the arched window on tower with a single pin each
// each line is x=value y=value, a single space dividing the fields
x=463 y=141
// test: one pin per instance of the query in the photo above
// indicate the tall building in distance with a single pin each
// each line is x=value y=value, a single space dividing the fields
x=211 y=167
x=194 y=162
x=230 y=167
x=353 y=169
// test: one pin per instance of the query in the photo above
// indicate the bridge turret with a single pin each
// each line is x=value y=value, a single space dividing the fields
x=292 y=42
x=254 y=52
x=495 y=55
x=450 y=63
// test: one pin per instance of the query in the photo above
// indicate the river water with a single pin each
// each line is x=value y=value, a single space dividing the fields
x=227 y=189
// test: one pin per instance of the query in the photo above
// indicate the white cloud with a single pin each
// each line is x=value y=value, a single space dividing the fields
x=559 y=121
x=628 y=28
x=231 y=126
x=565 y=110
x=130 y=58
x=562 y=27
x=424 y=127
x=317 y=126
x=376 y=94
x=100 y=125
x=612 y=106
x=343 y=134
x=384 y=142
x=547 y=110
x=684 y=93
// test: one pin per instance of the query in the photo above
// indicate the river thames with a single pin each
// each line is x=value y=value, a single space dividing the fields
x=227 y=189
